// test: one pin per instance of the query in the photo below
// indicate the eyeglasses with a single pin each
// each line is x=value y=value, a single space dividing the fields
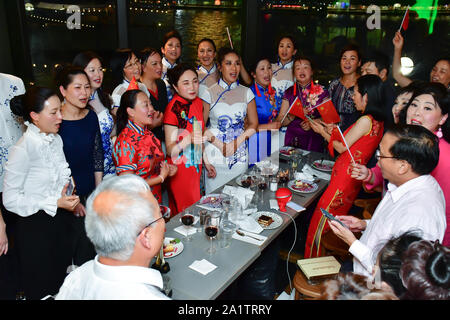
x=148 y=225
x=378 y=155
x=136 y=63
x=165 y=215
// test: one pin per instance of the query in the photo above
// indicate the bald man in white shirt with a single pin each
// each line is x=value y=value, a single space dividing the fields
x=124 y=222
x=414 y=200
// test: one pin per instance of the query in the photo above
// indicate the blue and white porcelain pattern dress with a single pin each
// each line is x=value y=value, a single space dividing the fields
x=11 y=126
x=282 y=78
x=106 y=123
x=228 y=109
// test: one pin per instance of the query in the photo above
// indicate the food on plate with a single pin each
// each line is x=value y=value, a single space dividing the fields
x=265 y=221
x=170 y=247
x=302 y=186
x=320 y=165
x=287 y=151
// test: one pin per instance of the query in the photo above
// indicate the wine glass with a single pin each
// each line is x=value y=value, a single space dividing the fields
x=187 y=218
x=262 y=185
x=211 y=230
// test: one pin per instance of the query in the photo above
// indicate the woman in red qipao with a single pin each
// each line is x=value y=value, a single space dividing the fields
x=363 y=137
x=183 y=127
x=137 y=150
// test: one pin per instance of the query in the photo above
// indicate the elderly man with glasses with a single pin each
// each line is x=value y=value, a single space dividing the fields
x=124 y=223
x=413 y=201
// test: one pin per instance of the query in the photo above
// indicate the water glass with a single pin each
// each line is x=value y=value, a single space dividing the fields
x=226 y=233
x=250 y=203
x=167 y=285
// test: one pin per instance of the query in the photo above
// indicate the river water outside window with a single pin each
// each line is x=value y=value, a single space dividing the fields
x=320 y=30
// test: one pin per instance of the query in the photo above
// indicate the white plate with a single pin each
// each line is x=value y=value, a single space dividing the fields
x=206 y=201
x=284 y=150
x=277 y=220
x=177 y=248
x=327 y=163
x=240 y=178
x=313 y=186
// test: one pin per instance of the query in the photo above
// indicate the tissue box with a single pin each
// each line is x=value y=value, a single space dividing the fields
x=319 y=268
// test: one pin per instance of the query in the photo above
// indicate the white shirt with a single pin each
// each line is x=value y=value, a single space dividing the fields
x=121 y=88
x=97 y=281
x=418 y=204
x=35 y=174
x=11 y=126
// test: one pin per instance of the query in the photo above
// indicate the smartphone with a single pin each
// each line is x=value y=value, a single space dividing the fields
x=71 y=187
x=331 y=217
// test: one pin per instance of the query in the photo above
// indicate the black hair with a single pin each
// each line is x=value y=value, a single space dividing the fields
x=176 y=72
x=416 y=145
x=223 y=52
x=440 y=95
x=127 y=100
x=425 y=271
x=207 y=40
x=303 y=57
x=254 y=65
x=82 y=60
x=65 y=75
x=145 y=53
x=118 y=61
x=372 y=85
x=390 y=259
x=446 y=59
x=380 y=59
x=412 y=87
x=169 y=35
x=350 y=47
x=32 y=101
x=287 y=36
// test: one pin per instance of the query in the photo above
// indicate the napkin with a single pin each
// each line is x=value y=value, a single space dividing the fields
x=274 y=204
x=250 y=240
x=322 y=175
x=186 y=230
x=294 y=206
x=202 y=266
x=248 y=223
x=303 y=176
x=267 y=164
x=239 y=193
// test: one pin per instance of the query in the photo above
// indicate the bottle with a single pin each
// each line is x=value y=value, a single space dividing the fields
x=273 y=184
x=160 y=264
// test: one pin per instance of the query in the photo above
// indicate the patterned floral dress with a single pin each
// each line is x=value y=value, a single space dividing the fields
x=228 y=109
x=11 y=126
x=263 y=142
x=106 y=123
x=137 y=150
x=295 y=135
x=184 y=114
x=282 y=78
x=343 y=189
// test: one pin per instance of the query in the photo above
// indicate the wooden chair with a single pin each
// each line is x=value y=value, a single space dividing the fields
x=333 y=245
x=369 y=206
x=304 y=290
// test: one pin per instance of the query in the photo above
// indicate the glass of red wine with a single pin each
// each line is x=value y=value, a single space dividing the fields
x=211 y=230
x=187 y=218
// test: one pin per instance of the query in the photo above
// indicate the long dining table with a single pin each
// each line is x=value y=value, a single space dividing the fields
x=231 y=262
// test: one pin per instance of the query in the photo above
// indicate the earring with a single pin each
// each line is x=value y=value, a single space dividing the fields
x=439 y=133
